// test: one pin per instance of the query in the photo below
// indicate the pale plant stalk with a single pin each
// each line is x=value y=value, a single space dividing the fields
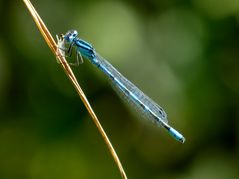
x=53 y=46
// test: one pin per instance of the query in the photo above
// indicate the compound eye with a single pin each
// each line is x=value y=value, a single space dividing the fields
x=74 y=33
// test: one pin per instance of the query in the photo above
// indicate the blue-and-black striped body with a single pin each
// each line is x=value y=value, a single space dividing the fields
x=142 y=103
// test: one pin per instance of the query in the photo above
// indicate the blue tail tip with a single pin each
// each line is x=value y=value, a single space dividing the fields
x=179 y=137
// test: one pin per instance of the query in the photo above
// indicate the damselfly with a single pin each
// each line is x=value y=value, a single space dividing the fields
x=146 y=106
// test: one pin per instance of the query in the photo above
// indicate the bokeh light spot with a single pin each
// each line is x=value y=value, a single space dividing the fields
x=218 y=8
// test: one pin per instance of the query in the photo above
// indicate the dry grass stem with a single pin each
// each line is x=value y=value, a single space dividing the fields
x=52 y=44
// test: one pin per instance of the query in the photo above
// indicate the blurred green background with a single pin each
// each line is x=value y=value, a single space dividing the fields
x=183 y=54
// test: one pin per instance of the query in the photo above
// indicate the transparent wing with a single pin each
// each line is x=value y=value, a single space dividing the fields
x=133 y=95
x=136 y=98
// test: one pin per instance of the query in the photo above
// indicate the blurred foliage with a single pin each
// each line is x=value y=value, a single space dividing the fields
x=183 y=54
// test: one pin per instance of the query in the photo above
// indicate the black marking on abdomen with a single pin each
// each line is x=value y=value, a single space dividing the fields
x=112 y=77
x=142 y=106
